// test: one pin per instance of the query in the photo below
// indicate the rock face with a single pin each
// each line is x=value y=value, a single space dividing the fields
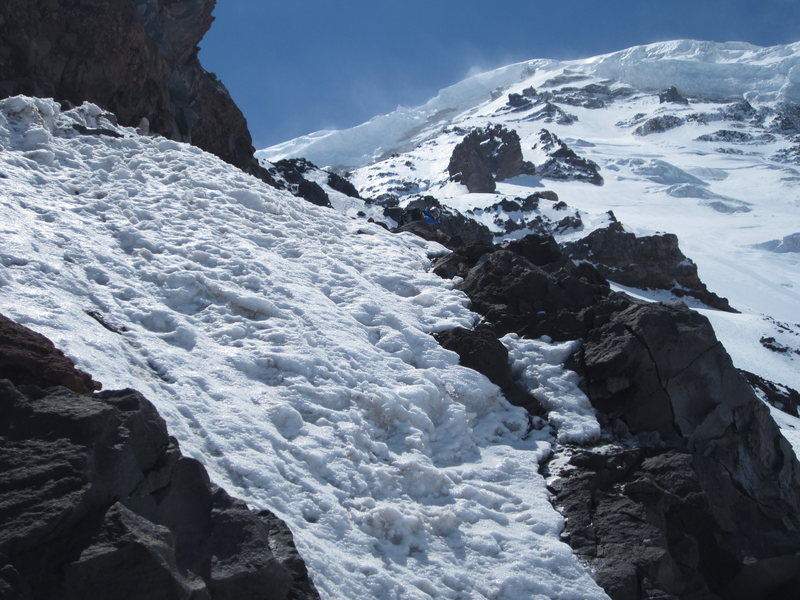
x=426 y=217
x=137 y=59
x=288 y=174
x=563 y=163
x=479 y=349
x=527 y=287
x=672 y=95
x=693 y=492
x=790 y=243
x=721 y=496
x=30 y=358
x=97 y=500
x=487 y=155
x=649 y=262
x=658 y=125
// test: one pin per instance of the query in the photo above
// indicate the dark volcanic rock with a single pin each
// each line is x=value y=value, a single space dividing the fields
x=30 y=358
x=518 y=101
x=98 y=502
x=486 y=155
x=658 y=125
x=517 y=295
x=736 y=137
x=563 y=163
x=672 y=95
x=135 y=59
x=340 y=184
x=479 y=349
x=694 y=492
x=550 y=113
x=448 y=227
x=640 y=519
x=427 y=231
x=289 y=173
x=787 y=119
x=726 y=135
x=780 y=396
x=721 y=502
x=649 y=262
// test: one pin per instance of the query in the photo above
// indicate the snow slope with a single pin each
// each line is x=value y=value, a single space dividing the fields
x=725 y=179
x=712 y=69
x=288 y=348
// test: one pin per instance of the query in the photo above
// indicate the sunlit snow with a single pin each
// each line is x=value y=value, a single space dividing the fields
x=288 y=348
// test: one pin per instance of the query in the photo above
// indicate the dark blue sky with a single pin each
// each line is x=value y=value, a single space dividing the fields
x=296 y=67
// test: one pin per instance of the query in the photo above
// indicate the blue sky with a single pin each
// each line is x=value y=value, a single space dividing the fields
x=296 y=67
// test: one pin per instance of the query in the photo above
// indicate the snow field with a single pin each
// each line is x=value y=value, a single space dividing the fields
x=727 y=202
x=288 y=349
x=722 y=206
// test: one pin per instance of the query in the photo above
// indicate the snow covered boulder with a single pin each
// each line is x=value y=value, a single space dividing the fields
x=486 y=155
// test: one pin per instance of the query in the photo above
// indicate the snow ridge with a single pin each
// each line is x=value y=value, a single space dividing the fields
x=712 y=70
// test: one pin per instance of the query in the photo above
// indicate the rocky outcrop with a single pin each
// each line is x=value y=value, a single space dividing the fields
x=528 y=287
x=658 y=125
x=692 y=492
x=732 y=136
x=789 y=243
x=289 y=174
x=672 y=95
x=486 y=155
x=426 y=217
x=480 y=350
x=787 y=119
x=563 y=163
x=97 y=500
x=780 y=396
x=30 y=358
x=550 y=113
x=648 y=262
x=136 y=59
x=723 y=504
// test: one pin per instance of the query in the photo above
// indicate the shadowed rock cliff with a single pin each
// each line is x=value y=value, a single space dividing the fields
x=135 y=58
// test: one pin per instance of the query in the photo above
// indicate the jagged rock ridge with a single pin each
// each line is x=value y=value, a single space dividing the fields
x=135 y=59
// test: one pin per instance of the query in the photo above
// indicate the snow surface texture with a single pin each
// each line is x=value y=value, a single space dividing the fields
x=734 y=202
x=288 y=348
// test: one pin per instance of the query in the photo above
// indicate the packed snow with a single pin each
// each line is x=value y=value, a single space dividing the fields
x=288 y=348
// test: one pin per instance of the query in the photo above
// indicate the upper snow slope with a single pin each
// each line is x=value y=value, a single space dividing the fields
x=288 y=349
x=720 y=172
x=721 y=70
